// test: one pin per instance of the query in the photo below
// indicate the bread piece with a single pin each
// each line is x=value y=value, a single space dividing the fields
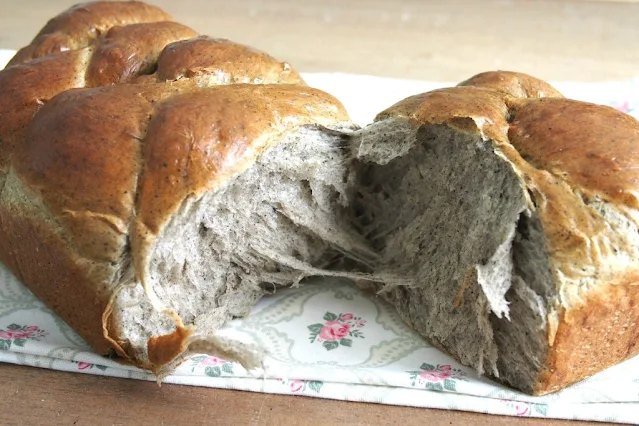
x=147 y=198
x=514 y=213
x=109 y=43
x=84 y=24
x=155 y=183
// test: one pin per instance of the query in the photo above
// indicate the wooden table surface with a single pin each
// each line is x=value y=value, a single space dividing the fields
x=437 y=40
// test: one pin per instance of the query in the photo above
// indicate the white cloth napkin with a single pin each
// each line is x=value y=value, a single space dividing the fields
x=327 y=339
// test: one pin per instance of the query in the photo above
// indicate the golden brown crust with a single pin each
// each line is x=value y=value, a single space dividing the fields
x=481 y=99
x=144 y=53
x=597 y=334
x=515 y=84
x=83 y=24
x=91 y=187
x=74 y=286
x=40 y=258
x=164 y=349
x=225 y=61
x=25 y=88
x=592 y=147
x=239 y=121
x=468 y=108
x=568 y=154
x=127 y=52
x=223 y=130
x=82 y=155
x=84 y=151
x=121 y=55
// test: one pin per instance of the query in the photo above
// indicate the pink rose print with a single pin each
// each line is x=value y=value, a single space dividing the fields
x=334 y=330
x=211 y=360
x=525 y=409
x=337 y=330
x=299 y=386
x=18 y=335
x=296 y=385
x=430 y=376
x=82 y=365
x=521 y=409
x=213 y=366
x=624 y=107
x=9 y=334
x=437 y=377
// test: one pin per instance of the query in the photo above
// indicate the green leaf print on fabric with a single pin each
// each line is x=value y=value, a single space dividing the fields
x=338 y=330
x=329 y=316
x=438 y=377
x=213 y=371
x=524 y=409
x=450 y=385
x=540 y=408
x=315 y=386
x=329 y=346
x=300 y=386
x=213 y=366
x=315 y=329
x=277 y=326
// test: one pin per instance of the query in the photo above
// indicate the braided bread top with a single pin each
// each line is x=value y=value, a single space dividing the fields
x=109 y=120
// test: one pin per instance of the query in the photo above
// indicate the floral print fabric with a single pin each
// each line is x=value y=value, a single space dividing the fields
x=358 y=349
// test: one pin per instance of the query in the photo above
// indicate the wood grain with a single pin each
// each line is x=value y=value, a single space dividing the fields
x=31 y=396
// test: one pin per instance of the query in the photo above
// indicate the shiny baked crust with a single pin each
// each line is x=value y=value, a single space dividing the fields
x=568 y=155
x=83 y=24
x=110 y=119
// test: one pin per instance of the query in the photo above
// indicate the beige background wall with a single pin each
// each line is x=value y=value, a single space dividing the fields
x=436 y=39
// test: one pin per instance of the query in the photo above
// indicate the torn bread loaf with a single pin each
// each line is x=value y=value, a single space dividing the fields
x=155 y=183
x=513 y=213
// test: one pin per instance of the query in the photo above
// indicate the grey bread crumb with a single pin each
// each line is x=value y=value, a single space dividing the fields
x=430 y=217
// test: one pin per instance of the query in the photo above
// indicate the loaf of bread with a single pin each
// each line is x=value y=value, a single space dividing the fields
x=515 y=213
x=155 y=183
